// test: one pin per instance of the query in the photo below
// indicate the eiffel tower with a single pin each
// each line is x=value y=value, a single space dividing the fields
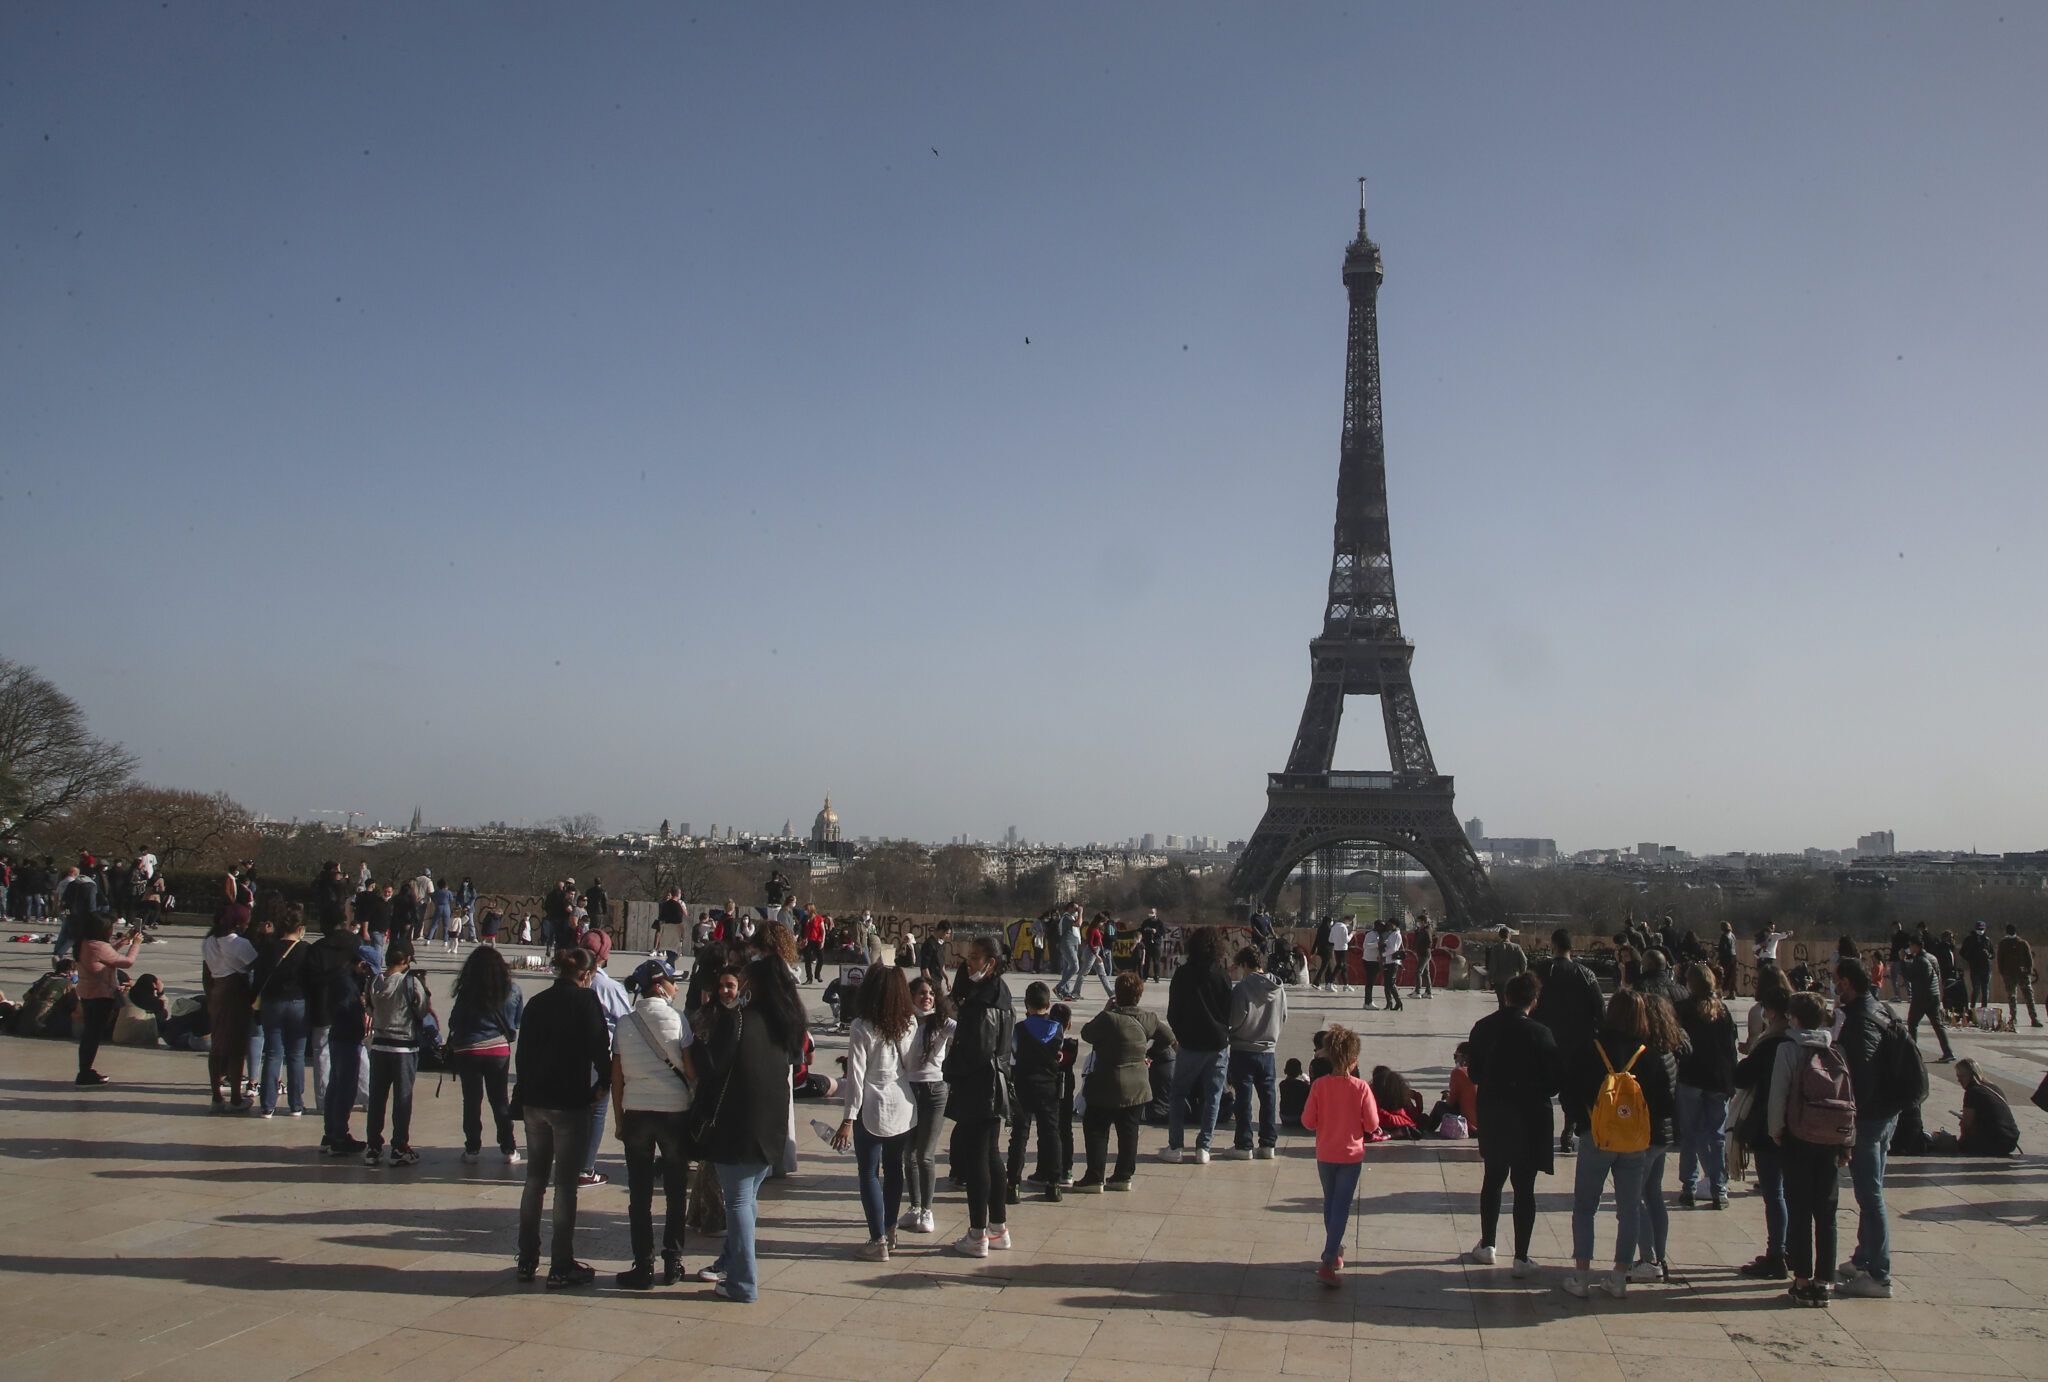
x=1361 y=653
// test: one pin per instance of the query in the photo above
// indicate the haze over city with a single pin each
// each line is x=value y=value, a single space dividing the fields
x=675 y=412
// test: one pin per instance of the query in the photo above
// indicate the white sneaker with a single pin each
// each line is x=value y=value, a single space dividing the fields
x=1525 y=1267
x=1201 y=1156
x=1613 y=1283
x=1574 y=1284
x=912 y=1222
x=926 y=1223
x=874 y=1250
x=1238 y=1153
x=971 y=1244
x=1483 y=1255
x=1647 y=1273
x=1263 y=1153
x=998 y=1240
x=1348 y=988
x=514 y=1157
x=1170 y=1154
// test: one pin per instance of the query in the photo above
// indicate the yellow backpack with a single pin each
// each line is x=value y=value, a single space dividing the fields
x=1621 y=1120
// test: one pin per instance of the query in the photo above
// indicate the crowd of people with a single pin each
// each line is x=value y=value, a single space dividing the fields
x=701 y=1072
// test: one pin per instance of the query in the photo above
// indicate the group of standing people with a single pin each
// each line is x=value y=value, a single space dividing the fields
x=1381 y=948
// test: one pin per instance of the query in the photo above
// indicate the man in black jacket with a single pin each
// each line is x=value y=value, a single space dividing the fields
x=564 y=1064
x=1923 y=997
x=1572 y=1007
x=1864 y=1023
x=1198 y=1010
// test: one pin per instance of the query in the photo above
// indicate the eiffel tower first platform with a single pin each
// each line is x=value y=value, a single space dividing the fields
x=1361 y=653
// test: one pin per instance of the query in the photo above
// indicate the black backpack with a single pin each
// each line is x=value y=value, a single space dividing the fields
x=1901 y=1072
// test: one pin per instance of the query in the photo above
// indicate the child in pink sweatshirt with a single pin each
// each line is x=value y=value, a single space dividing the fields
x=1342 y=1114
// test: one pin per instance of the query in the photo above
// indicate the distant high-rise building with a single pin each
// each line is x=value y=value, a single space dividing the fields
x=685 y=832
x=1475 y=831
x=1647 y=849
x=1010 y=837
x=1877 y=843
x=1176 y=842
x=1148 y=844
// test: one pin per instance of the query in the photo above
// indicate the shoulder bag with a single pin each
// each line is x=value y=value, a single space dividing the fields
x=702 y=1127
x=640 y=1026
x=256 y=998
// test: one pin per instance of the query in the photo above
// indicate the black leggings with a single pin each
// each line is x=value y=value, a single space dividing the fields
x=96 y=1024
x=978 y=1154
x=1095 y=1126
x=1522 y=1174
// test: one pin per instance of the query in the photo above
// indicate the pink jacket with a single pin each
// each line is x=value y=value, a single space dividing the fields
x=1340 y=1112
x=97 y=962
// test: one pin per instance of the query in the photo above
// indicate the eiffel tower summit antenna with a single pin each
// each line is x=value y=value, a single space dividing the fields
x=1362 y=652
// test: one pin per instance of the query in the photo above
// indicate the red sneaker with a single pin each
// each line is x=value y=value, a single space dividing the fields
x=1327 y=1274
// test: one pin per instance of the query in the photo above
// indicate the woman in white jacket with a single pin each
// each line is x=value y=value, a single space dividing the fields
x=880 y=1110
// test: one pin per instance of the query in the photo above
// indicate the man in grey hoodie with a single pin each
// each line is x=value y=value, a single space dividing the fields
x=1258 y=1010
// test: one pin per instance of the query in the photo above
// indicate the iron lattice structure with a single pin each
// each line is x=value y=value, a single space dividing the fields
x=1361 y=652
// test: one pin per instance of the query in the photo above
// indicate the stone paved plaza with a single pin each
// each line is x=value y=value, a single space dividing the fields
x=146 y=1238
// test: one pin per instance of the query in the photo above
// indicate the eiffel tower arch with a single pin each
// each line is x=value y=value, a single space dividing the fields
x=1362 y=652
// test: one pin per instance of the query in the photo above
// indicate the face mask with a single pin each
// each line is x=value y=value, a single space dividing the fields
x=725 y=1002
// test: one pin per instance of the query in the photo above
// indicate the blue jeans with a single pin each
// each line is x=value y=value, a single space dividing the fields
x=1251 y=1070
x=1340 y=1183
x=742 y=1187
x=1099 y=965
x=878 y=1165
x=344 y=1064
x=1770 y=1183
x=1866 y=1172
x=1593 y=1170
x=280 y=1037
x=1702 y=1139
x=1653 y=1225
x=1201 y=1073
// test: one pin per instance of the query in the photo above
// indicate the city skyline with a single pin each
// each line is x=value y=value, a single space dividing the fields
x=596 y=412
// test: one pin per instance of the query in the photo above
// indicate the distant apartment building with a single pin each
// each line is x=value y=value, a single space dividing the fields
x=1877 y=844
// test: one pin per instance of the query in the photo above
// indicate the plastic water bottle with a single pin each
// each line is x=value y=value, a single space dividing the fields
x=826 y=1132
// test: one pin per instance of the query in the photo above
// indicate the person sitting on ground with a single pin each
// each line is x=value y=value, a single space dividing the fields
x=1343 y=1114
x=1988 y=1127
x=1462 y=1097
x=1294 y=1090
x=1399 y=1105
x=46 y=1009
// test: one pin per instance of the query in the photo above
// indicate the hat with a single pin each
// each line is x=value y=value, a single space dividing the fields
x=653 y=968
x=1982 y=927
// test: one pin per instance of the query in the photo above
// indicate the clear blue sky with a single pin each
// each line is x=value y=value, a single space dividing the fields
x=522 y=410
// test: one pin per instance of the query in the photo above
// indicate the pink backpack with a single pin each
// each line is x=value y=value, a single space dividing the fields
x=1822 y=1107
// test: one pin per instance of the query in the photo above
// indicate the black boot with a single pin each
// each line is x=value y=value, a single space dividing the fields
x=640 y=1278
x=1010 y=1194
x=671 y=1268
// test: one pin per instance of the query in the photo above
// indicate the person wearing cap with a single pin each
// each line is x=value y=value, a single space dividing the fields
x=616 y=1003
x=652 y=1068
x=1975 y=953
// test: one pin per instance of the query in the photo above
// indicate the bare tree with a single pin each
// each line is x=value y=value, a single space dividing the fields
x=49 y=763
x=191 y=830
